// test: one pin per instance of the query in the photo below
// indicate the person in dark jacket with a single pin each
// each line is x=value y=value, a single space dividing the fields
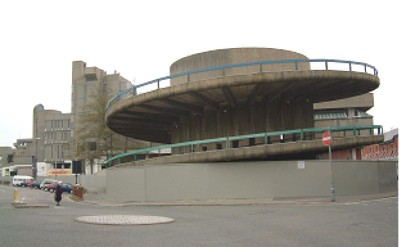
x=58 y=193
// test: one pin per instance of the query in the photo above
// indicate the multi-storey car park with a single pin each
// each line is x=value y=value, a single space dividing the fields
x=247 y=97
x=236 y=105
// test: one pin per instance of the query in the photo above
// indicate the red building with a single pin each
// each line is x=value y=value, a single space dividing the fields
x=387 y=150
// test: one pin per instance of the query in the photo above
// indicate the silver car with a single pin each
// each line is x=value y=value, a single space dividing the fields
x=45 y=183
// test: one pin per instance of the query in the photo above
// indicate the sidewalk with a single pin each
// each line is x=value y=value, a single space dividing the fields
x=100 y=199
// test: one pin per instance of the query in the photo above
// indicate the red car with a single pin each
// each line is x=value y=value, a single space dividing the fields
x=27 y=183
x=52 y=187
x=67 y=187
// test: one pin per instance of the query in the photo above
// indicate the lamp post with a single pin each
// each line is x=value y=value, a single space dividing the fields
x=35 y=159
x=327 y=141
x=34 y=165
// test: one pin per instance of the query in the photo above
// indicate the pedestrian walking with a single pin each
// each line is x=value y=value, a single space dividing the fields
x=58 y=193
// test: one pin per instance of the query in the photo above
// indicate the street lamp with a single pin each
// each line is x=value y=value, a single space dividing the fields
x=35 y=159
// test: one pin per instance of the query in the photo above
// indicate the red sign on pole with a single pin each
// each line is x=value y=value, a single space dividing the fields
x=326 y=138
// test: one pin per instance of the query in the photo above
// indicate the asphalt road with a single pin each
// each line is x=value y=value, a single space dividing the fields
x=369 y=223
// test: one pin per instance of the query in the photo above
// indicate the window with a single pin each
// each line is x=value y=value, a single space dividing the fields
x=252 y=141
x=359 y=113
x=334 y=114
x=10 y=158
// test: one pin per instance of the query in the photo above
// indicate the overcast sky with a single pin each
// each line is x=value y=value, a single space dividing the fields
x=141 y=39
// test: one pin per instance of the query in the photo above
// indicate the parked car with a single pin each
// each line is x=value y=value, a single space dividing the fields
x=27 y=183
x=52 y=187
x=67 y=187
x=45 y=183
x=19 y=179
x=35 y=185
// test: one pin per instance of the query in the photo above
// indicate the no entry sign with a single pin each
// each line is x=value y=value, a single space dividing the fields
x=326 y=138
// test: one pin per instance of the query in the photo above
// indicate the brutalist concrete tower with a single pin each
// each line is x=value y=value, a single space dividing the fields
x=89 y=84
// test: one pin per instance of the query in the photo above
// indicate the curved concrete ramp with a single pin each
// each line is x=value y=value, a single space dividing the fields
x=260 y=152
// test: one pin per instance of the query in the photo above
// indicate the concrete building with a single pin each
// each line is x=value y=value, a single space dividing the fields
x=51 y=140
x=344 y=112
x=242 y=91
x=91 y=89
x=246 y=123
x=19 y=159
x=56 y=135
x=23 y=157
x=6 y=160
x=51 y=134
x=89 y=84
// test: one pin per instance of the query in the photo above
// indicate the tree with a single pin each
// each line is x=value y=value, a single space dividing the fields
x=95 y=141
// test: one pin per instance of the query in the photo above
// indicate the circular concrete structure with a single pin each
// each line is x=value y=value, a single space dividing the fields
x=225 y=57
x=234 y=101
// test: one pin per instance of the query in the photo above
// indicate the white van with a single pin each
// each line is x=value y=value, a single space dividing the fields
x=19 y=179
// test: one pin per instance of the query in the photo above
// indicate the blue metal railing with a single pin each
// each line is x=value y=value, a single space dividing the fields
x=300 y=134
x=368 y=69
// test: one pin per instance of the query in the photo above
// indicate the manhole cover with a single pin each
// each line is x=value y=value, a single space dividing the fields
x=124 y=219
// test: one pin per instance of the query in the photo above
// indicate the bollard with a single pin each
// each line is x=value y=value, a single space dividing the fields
x=16 y=196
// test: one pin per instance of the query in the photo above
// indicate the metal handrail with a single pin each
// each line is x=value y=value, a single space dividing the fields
x=295 y=62
x=266 y=135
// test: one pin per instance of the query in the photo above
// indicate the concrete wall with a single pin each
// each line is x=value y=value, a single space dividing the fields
x=94 y=183
x=127 y=184
x=359 y=121
x=364 y=101
x=233 y=56
x=248 y=180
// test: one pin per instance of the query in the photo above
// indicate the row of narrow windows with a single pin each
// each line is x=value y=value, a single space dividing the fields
x=57 y=136
x=335 y=114
x=59 y=124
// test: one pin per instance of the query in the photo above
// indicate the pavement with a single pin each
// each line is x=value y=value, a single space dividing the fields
x=100 y=199
x=25 y=205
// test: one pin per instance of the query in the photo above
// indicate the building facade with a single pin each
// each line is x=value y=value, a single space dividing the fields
x=6 y=160
x=60 y=138
x=344 y=112
x=51 y=133
x=90 y=139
